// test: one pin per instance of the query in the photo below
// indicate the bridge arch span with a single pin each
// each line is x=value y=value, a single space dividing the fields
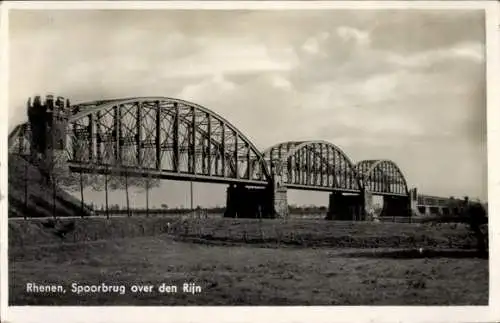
x=382 y=176
x=161 y=137
x=314 y=164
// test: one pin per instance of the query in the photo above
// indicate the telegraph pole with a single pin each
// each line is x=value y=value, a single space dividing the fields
x=191 y=184
x=81 y=194
x=106 y=190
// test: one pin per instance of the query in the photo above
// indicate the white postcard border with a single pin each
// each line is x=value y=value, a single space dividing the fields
x=283 y=313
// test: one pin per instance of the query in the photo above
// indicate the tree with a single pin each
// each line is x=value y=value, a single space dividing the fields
x=473 y=214
x=97 y=182
x=475 y=217
x=148 y=160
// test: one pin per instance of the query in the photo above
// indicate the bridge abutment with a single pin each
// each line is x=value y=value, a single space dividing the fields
x=345 y=207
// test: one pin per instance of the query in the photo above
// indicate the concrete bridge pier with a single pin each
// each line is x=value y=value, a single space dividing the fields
x=279 y=200
x=368 y=208
x=396 y=206
x=251 y=202
x=414 y=208
x=345 y=207
x=245 y=202
x=359 y=207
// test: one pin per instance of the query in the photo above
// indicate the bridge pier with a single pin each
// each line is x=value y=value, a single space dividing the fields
x=415 y=211
x=280 y=202
x=248 y=202
x=369 y=210
x=352 y=207
x=251 y=202
x=396 y=206
x=345 y=207
x=244 y=202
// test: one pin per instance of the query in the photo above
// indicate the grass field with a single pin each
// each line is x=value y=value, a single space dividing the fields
x=245 y=262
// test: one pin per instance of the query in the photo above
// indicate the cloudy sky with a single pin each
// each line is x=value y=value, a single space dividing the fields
x=405 y=85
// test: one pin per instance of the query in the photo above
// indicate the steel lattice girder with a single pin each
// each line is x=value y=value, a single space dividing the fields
x=161 y=137
x=170 y=138
x=313 y=164
x=382 y=177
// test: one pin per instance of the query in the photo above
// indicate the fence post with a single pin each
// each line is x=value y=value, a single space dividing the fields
x=54 y=192
x=126 y=192
x=25 y=190
x=106 y=190
x=147 y=197
x=81 y=194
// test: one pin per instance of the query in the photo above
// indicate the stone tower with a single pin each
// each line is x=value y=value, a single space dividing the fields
x=48 y=121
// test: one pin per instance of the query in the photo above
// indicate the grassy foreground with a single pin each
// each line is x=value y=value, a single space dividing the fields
x=242 y=262
x=221 y=231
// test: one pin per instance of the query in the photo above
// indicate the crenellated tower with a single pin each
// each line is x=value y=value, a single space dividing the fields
x=48 y=121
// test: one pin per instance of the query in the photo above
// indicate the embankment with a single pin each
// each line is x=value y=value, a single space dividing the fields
x=37 y=199
x=223 y=231
x=30 y=193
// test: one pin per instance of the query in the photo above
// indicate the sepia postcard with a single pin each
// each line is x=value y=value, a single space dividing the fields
x=250 y=161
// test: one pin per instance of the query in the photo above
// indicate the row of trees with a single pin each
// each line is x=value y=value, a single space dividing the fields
x=75 y=182
x=217 y=209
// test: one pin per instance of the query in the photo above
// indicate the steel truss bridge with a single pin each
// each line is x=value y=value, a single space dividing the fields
x=167 y=138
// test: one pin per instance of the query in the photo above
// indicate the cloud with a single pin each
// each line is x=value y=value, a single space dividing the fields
x=405 y=85
x=360 y=37
x=230 y=56
x=262 y=100
x=473 y=51
x=281 y=82
x=410 y=31
x=206 y=89
x=466 y=51
x=313 y=45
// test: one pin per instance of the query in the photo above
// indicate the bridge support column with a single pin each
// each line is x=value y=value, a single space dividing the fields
x=280 y=202
x=396 y=206
x=245 y=202
x=345 y=207
x=369 y=210
x=278 y=195
x=414 y=202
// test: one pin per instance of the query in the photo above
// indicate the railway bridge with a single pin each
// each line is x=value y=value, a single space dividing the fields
x=168 y=138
